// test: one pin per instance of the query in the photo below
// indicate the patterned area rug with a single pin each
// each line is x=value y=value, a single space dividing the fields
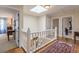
x=59 y=47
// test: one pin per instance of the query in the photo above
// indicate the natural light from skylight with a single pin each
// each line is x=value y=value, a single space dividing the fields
x=38 y=9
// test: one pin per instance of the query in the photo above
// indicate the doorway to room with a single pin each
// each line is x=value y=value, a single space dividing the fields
x=67 y=27
x=9 y=29
x=56 y=24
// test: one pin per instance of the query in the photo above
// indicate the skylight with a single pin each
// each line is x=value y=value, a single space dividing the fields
x=38 y=9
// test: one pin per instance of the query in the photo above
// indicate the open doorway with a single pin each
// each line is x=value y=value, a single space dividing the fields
x=56 y=24
x=9 y=29
x=67 y=27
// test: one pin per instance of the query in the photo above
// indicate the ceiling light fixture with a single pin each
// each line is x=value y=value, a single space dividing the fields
x=47 y=6
x=38 y=9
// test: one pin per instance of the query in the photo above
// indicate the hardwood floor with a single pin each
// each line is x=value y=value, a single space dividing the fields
x=16 y=50
x=76 y=46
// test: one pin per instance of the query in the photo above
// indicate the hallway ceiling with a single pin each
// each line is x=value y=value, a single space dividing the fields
x=55 y=9
x=8 y=10
x=51 y=12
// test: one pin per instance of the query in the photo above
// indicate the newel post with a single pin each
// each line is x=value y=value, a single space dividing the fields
x=28 y=40
x=55 y=32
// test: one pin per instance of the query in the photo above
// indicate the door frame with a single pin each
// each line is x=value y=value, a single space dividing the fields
x=18 y=40
x=62 y=23
x=58 y=25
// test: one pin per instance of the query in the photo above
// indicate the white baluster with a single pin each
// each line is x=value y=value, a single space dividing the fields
x=55 y=32
x=28 y=40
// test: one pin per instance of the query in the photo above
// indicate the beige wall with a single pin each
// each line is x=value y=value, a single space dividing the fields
x=30 y=22
x=9 y=21
x=34 y=23
x=42 y=23
x=48 y=22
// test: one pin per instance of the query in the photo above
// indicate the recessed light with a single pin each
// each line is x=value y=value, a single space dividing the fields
x=38 y=9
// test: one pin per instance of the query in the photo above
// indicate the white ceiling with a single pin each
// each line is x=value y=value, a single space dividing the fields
x=55 y=9
x=8 y=10
x=13 y=7
x=52 y=11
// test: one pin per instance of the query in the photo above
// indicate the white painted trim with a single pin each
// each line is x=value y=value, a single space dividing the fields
x=72 y=23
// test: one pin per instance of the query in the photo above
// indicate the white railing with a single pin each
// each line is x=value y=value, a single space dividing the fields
x=37 y=40
x=42 y=33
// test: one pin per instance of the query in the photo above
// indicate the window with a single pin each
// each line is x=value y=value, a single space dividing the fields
x=3 y=25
